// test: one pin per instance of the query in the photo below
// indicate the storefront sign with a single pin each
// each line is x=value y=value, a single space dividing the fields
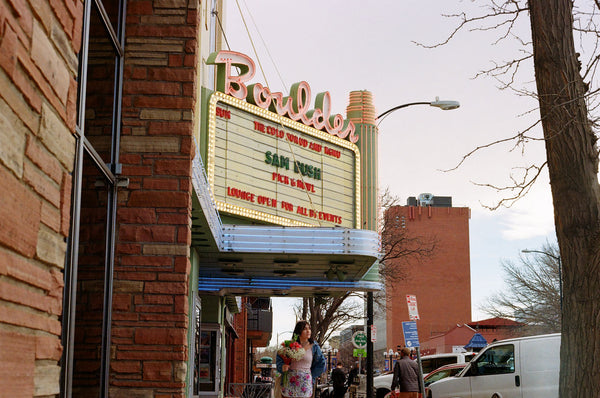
x=271 y=168
x=296 y=106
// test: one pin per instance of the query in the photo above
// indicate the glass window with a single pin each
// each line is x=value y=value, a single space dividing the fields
x=88 y=272
x=496 y=360
x=90 y=285
x=442 y=374
x=435 y=376
x=205 y=361
x=112 y=8
x=100 y=89
x=431 y=364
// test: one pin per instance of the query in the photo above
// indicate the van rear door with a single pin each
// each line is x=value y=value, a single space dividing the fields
x=496 y=371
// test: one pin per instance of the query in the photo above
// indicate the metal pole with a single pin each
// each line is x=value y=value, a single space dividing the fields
x=421 y=381
x=369 y=392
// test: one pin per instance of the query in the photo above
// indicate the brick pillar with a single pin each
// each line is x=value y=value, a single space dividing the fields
x=241 y=346
x=152 y=267
x=38 y=90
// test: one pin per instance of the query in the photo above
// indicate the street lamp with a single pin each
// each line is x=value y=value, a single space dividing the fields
x=329 y=351
x=558 y=260
x=443 y=105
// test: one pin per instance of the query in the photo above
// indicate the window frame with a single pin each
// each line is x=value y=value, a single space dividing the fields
x=111 y=173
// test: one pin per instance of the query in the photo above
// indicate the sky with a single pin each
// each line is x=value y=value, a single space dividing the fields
x=345 y=45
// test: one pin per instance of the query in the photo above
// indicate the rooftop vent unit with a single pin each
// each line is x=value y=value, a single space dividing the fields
x=425 y=199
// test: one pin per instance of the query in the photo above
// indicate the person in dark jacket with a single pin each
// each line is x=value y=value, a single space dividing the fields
x=353 y=373
x=338 y=379
x=406 y=373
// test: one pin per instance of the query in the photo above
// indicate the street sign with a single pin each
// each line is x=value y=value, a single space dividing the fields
x=359 y=352
x=411 y=336
x=359 y=339
x=413 y=312
x=373 y=334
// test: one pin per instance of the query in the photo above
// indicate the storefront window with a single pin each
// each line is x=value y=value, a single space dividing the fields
x=206 y=363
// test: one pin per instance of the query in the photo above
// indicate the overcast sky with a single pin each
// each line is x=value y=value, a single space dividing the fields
x=345 y=45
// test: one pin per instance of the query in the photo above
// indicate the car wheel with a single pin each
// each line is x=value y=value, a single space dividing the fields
x=495 y=396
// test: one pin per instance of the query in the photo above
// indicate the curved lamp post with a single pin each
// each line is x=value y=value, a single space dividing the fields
x=445 y=105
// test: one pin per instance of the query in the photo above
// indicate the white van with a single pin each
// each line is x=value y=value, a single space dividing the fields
x=522 y=367
x=383 y=383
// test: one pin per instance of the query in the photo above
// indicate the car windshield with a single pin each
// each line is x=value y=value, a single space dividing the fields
x=441 y=374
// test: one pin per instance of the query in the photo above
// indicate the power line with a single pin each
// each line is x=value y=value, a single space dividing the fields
x=252 y=43
x=266 y=47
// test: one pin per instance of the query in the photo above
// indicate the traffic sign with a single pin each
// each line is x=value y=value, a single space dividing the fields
x=359 y=339
x=413 y=312
x=411 y=336
x=373 y=334
x=359 y=352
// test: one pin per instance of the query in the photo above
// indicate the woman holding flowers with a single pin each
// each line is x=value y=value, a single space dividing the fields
x=300 y=361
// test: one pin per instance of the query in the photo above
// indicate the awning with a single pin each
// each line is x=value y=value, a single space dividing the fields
x=477 y=341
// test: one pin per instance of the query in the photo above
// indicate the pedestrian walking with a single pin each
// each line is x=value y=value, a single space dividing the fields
x=338 y=379
x=406 y=376
x=300 y=375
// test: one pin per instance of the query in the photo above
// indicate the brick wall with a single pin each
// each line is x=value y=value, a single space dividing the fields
x=441 y=282
x=39 y=41
x=240 y=362
x=152 y=268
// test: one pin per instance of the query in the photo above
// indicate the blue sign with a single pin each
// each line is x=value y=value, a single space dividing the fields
x=411 y=337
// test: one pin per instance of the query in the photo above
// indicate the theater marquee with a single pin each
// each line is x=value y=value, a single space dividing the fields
x=270 y=168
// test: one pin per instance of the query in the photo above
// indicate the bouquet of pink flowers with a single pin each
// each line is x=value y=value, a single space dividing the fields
x=289 y=351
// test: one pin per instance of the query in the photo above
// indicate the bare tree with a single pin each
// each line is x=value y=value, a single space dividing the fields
x=327 y=315
x=533 y=292
x=566 y=107
x=397 y=243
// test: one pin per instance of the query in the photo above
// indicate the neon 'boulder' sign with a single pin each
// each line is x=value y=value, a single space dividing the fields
x=296 y=106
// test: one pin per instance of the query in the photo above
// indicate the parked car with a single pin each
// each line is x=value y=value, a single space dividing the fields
x=522 y=367
x=435 y=361
x=442 y=373
x=382 y=383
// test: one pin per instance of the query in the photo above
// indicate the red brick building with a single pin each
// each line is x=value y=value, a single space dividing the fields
x=441 y=281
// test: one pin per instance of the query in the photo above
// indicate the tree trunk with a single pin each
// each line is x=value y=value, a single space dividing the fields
x=573 y=166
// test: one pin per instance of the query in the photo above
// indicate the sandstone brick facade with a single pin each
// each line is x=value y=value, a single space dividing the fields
x=39 y=42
